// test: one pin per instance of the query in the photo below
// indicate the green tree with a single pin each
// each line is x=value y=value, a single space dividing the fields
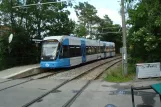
x=31 y=22
x=144 y=38
x=110 y=32
x=86 y=14
x=80 y=30
x=102 y=29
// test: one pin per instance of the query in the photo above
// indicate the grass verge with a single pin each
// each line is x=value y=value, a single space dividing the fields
x=115 y=74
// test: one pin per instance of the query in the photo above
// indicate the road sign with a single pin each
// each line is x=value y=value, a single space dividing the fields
x=147 y=70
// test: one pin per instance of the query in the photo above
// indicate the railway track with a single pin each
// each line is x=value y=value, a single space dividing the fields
x=87 y=67
x=87 y=72
x=43 y=75
x=51 y=73
x=94 y=77
x=82 y=70
x=97 y=72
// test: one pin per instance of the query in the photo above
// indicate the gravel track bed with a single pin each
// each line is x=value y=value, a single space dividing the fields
x=94 y=73
x=77 y=71
x=42 y=75
x=45 y=74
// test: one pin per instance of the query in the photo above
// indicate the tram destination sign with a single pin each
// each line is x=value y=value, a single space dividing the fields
x=148 y=70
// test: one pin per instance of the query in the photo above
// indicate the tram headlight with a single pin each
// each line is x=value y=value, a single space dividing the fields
x=52 y=58
x=42 y=58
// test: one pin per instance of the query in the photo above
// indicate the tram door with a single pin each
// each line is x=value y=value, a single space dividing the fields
x=83 y=51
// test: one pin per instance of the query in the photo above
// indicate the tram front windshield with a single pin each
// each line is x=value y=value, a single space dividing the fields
x=49 y=49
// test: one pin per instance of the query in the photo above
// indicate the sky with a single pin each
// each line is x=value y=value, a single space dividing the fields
x=109 y=7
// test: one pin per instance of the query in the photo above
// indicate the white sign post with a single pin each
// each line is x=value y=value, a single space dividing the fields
x=9 y=41
x=147 y=70
x=10 y=38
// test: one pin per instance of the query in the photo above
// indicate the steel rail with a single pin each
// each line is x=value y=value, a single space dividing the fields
x=42 y=77
x=70 y=102
x=65 y=82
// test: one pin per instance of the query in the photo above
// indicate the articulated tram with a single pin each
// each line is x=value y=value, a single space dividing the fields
x=67 y=51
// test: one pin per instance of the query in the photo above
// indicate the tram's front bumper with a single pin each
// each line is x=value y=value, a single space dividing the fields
x=62 y=63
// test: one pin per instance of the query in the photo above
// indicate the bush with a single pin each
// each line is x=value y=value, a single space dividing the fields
x=116 y=74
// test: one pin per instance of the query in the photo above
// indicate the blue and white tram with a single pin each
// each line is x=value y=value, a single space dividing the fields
x=67 y=51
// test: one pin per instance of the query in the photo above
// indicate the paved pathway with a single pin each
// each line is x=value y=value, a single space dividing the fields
x=97 y=94
x=17 y=70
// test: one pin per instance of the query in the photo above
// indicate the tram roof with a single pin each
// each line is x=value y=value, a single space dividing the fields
x=60 y=37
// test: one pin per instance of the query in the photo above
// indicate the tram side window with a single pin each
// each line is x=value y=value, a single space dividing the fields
x=102 y=49
x=108 y=49
x=95 y=50
x=72 y=51
x=64 y=52
x=88 y=50
x=112 y=48
x=98 y=48
x=77 y=51
x=92 y=50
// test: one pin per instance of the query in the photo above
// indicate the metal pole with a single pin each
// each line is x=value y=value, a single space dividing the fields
x=124 y=53
x=132 y=96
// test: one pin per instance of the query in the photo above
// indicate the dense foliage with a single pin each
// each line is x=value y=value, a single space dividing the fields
x=144 y=35
x=92 y=26
x=28 y=23
x=38 y=21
